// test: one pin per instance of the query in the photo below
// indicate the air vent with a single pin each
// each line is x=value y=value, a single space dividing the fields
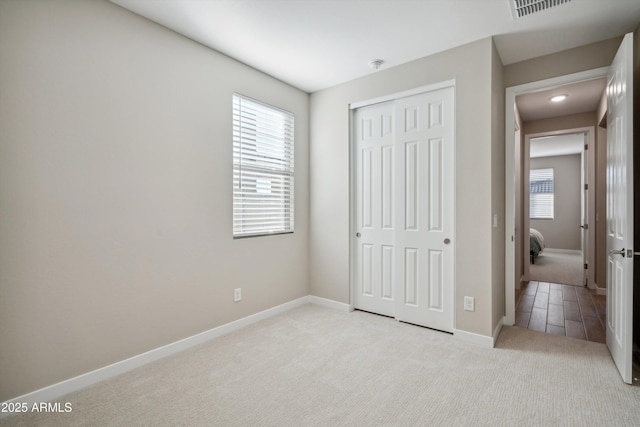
x=521 y=8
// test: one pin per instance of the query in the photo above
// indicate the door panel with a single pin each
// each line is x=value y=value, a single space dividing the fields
x=428 y=192
x=620 y=209
x=375 y=248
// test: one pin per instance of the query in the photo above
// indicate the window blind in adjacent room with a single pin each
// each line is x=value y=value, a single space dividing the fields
x=541 y=194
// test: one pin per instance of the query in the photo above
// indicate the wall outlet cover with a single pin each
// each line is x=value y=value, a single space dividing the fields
x=469 y=303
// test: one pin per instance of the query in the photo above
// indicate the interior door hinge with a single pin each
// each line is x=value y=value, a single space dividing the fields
x=586 y=266
x=586 y=146
x=586 y=186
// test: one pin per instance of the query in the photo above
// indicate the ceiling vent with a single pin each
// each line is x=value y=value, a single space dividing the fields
x=522 y=8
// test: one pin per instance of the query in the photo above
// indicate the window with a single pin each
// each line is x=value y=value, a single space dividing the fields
x=541 y=194
x=262 y=168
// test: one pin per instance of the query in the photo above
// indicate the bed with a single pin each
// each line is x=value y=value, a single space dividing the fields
x=536 y=244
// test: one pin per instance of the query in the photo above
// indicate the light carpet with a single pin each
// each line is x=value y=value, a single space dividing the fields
x=314 y=366
x=557 y=267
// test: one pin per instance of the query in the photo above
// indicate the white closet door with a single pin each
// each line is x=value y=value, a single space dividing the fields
x=425 y=209
x=405 y=209
x=375 y=252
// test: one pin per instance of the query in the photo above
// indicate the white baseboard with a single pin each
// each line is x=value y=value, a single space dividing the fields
x=472 y=338
x=60 y=389
x=599 y=290
x=328 y=303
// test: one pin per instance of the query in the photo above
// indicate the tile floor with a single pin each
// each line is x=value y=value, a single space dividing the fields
x=573 y=311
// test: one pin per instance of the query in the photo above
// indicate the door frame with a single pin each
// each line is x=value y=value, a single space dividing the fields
x=353 y=179
x=509 y=191
x=589 y=174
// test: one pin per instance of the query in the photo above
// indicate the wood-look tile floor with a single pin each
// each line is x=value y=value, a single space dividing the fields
x=573 y=311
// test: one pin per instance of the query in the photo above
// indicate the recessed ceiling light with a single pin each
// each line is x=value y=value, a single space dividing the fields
x=558 y=98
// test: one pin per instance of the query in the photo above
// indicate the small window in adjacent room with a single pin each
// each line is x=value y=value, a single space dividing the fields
x=541 y=194
x=262 y=168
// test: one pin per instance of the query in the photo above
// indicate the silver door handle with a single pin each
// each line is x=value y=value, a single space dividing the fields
x=620 y=252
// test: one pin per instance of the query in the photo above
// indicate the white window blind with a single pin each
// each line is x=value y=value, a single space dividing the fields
x=262 y=168
x=541 y=194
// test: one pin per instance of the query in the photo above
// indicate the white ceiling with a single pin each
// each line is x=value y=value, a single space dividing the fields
x=559 y=145
x=315 y=44
x=583 y=97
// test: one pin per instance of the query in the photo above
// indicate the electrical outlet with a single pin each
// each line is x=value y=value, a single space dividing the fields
x=237 y=294
x=470 y=303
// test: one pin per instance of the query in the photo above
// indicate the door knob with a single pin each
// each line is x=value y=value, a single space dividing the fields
x=447 y=241
x=358 y=234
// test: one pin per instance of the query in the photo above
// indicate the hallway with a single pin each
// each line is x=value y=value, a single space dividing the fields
x=572 y=311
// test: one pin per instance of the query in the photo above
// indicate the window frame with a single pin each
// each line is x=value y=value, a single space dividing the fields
x=540 y=215
x=263 y=168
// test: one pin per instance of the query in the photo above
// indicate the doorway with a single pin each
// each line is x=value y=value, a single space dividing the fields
x=619 y=199
x=516 y=236
x=558 y=198
x=559 y=206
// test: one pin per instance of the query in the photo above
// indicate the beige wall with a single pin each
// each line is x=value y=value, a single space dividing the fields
x=572 y=121
x=115 y=191
x=329 y=251
x=563 y=231
x=583 y=58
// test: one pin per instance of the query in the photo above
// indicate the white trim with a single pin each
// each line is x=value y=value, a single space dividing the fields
x=328 y=303
x=403 y=94
x=587 y=176
x=477 y=339
x=510 y=98
x=525 y=157
x=62 y=388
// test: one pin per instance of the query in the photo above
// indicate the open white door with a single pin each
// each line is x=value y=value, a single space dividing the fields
x=620 y=208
